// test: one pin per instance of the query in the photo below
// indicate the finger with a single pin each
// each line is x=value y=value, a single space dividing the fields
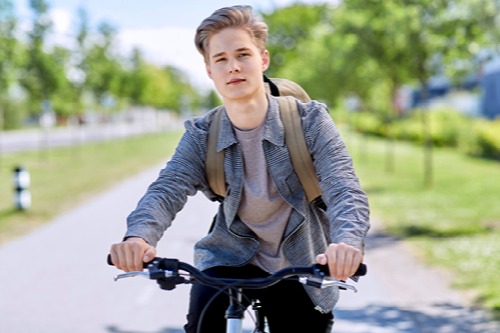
x=149 y=254
x=348 y=264
x=138 y=253
x=114 y=257
x=332 y=259
x=357 y=260
x=321 y=259
x=340 y=263
x=127 y=251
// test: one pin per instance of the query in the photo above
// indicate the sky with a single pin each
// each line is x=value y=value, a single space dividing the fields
x=162 y=29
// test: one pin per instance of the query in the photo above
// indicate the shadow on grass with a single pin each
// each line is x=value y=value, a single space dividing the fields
x=416 y=231
x=374 y=190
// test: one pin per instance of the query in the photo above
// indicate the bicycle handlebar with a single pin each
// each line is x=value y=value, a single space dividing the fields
x=166 y=272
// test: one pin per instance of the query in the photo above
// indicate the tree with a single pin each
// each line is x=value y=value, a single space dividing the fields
x=66 y=101
x=81 y=68
x=313 y=50
x=8 y=62
x=287 y=35
x=211 y=100
x=42 y=76
x=414 y=40
x=104 y=71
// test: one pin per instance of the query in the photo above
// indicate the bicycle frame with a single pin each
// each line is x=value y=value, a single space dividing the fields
x=235 y=313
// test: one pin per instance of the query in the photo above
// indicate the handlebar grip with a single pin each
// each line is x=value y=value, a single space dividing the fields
x=361 y=271
x=144 y=265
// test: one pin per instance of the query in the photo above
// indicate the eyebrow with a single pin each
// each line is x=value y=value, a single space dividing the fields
x=241 y=49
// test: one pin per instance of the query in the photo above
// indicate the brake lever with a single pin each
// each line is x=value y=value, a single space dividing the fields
x=132 y=274
x=324 y=282
x=342 y=285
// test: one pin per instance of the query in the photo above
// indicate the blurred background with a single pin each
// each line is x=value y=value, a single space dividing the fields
x=93 y=92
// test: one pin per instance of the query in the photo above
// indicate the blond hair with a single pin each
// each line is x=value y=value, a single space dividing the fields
x=231 y=17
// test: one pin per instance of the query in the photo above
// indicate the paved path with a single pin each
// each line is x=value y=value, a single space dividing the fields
x=55 y=279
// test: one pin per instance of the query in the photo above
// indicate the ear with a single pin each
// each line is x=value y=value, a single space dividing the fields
x=266 y=60
x=209 y=71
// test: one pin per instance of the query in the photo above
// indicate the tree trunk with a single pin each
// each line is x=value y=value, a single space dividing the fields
x=426 y=133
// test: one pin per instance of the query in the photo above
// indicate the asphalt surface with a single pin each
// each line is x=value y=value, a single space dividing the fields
x=56 y=279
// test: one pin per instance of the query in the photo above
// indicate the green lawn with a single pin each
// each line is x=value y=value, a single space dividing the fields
x=64 y=177
x=455 y=223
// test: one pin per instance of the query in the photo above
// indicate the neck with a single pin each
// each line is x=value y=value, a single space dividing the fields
x=247 y=114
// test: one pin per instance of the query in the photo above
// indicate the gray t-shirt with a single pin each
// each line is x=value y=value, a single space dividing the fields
x=262 y=208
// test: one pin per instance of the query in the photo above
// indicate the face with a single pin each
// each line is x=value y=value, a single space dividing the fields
x=235 y=64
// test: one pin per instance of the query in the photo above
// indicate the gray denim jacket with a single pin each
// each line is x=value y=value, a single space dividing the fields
x=230 y=242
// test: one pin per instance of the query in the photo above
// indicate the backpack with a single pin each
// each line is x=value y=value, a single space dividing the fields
x=287 y=93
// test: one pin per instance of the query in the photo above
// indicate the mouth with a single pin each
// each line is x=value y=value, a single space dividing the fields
x=235 y=81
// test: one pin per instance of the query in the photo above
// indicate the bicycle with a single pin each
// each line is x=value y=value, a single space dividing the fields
x=167 y=273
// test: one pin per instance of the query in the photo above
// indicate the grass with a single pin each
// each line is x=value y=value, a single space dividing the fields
x=455 y=223
x=62 y=178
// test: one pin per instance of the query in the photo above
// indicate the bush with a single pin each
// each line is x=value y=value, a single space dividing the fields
x=368 y=123
x=12 y=115
x=446 y=128
x=483 y=139
x=408 y=129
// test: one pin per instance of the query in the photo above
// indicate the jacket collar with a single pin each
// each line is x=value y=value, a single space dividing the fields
x=273 y=128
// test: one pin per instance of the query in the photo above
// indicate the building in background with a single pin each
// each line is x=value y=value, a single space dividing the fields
x=490 y=85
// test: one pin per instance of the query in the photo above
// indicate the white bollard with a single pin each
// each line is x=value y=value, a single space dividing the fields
x=22 y=195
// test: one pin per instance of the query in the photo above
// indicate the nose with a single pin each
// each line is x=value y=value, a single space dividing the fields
x=233 y=66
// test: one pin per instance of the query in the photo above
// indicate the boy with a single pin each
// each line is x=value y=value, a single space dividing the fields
x=265 y=222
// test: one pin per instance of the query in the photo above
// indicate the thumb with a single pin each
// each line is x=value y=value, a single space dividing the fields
x=322 y=259
x=149 y=254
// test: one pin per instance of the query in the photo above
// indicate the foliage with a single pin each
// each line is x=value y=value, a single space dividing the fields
x=367 y=123
x=9 y=45
x=90 y=76
x=42 y=75
x=11 y=115
x=212 y=100
x=7 y=62
x=448 y=128
x=285 y=35
x=363 y=48
x=105 y=72
x=484 y=139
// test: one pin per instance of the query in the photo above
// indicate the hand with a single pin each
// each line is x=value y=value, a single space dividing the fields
x=130 y=254
x=342 y=260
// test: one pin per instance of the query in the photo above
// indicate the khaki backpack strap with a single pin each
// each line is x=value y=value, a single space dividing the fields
x=299 y=153
x=215 y=160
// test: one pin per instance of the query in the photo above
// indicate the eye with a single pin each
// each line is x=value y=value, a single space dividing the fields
x=243 y=55
x=220 y=60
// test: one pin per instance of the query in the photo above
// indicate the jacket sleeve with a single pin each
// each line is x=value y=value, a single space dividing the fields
x=347 y=203
x=182 y=176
